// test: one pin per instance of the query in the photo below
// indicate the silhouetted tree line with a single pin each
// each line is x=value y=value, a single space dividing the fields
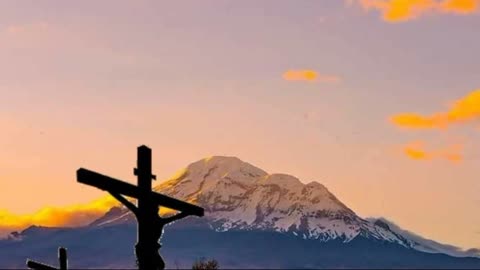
x=204 y=264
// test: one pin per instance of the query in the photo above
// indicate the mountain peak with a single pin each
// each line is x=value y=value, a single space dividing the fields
x=220 y=166
x=236 y=194
x=207 y=174
x=226 y=159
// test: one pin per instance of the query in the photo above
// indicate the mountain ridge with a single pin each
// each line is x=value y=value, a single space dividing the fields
x=239 y=195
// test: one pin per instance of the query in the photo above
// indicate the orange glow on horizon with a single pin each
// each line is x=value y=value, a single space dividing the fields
x=70 y=216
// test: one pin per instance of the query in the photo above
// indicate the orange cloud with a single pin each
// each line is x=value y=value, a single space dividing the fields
x=309 y=76
x=75 y=215
x=463 y=110
x=417 y=151
x=404 y=10
x=452 y=153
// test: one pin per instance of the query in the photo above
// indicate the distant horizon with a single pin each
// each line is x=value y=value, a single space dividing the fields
x=450 y=249
x=85 y=208
x=377 y=100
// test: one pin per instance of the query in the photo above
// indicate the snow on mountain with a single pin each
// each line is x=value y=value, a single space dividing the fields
x=426 y=245
x=239 y=196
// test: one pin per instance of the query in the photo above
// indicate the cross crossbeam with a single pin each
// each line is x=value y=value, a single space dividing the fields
x=110 y=184
x=149 y=223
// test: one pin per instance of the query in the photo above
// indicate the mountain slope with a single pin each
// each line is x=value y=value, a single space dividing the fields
x=426 y=245
x=237 y=195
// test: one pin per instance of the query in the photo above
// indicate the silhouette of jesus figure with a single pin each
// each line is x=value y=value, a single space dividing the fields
x=149 y=222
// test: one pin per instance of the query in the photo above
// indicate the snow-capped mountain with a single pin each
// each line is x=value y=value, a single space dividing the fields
x=239 y=196
x=253 y=219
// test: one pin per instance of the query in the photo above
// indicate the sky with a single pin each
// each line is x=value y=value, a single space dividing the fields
x=379 y=100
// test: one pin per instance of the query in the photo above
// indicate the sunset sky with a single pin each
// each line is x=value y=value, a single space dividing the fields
x=379 y=100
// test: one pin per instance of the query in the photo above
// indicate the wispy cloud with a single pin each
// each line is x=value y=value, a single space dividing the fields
x=405 y=10
x=36 y=35
x=27 y=28
x=309 y=76
x=463 y=110
x=417 y=151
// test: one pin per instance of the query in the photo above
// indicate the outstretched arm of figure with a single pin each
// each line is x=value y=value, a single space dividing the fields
x=125 y=202
x=176 y=217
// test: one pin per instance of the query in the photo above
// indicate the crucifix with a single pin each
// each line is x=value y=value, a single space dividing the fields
x=149 y=222
x=62 y=258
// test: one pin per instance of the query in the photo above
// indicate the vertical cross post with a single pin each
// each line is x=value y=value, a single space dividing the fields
x=62 y=258
x=144 y=169
x=146 y=207
x=149 y=223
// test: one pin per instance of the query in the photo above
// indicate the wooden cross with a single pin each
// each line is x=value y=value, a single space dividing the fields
x=149 y=223
x=62 y=258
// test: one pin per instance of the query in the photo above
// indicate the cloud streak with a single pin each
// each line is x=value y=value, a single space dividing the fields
x=27 y=28
x=309 y=76
x=404 y=10
x=461 y=111
x=417 y=151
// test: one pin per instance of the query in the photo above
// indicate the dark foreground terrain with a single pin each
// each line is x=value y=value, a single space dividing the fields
x=187 y=241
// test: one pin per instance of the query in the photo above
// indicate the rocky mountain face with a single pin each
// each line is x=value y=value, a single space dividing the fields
x=239 y=196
